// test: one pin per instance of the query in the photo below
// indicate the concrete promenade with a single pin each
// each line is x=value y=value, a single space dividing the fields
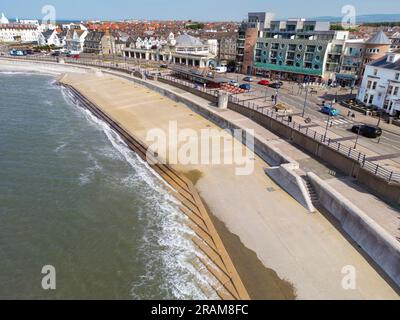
x=306 y=250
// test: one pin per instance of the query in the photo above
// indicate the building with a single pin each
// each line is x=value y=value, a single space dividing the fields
x=376 y=47
x=227 y=49
x=17 y=32
x=49 y=38
x=297 y=49
x=395 y=39
x=75 y=40
x=248 y=34
x=213 y=46
x=357 y=53
x=380 y=85
x=352 y=62
x=184 y=50
x=100 y=43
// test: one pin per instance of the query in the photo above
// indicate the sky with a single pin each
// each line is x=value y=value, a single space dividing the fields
x=201 y=10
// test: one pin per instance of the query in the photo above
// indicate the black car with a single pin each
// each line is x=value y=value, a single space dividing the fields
x=275 y=85
x=367 y=130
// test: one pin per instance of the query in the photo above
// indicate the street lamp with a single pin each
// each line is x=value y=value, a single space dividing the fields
x=358 y=135
x=305 y=102
x=328 y=122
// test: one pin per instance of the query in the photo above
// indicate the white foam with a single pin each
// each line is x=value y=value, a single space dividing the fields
x=165 y=226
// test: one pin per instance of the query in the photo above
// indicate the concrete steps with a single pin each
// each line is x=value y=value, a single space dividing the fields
x=311 y=191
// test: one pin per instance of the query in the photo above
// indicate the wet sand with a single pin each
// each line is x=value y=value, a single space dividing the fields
x=261 y=283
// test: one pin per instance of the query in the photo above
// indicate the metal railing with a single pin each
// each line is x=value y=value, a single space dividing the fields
x=374 y=168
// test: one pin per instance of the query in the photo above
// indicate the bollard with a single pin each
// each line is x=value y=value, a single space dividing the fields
x=223 y=99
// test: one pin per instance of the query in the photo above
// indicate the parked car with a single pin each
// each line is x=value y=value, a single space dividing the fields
x=248 y=79
x=264 y=82
x=56 y=54
x=234 y=83
x=368 y=131
x=18 y=53
x=245 y=86
x=75 y=56
x=333 y=112
x=275 y=85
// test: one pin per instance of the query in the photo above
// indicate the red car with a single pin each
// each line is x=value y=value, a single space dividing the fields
x=264 y=82
x=75 y=56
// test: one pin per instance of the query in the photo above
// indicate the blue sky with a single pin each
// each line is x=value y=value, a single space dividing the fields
x=210 y=10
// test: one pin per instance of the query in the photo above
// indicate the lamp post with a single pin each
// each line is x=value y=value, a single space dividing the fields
x=328 y=122
x=358 y=135
x=305 y=102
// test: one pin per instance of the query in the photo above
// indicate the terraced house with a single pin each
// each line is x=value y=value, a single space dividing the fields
x=100 y=43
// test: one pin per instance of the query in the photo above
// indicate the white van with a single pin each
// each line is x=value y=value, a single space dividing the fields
x=221 y=69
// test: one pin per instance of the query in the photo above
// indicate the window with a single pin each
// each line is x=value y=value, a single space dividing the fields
x=390 y=89
x=397 y=76
x=396 y=91
x=371 y=99
x=369 y=84
x=374 y=85
x=375 y=72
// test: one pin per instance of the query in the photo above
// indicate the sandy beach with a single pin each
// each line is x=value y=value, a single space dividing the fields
x=280 y=250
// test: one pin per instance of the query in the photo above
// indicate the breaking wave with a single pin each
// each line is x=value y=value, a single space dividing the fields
x=166 y=249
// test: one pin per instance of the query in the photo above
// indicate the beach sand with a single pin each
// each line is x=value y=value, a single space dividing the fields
x=305 y=250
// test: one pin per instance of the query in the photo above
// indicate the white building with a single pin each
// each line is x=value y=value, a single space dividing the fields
x=50 y=37
x=214 y=46
x=380 y=86
x=184 y=50
x=14 y=32
x=75 y=40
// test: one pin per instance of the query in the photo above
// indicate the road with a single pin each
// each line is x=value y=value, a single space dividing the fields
x=341 y=125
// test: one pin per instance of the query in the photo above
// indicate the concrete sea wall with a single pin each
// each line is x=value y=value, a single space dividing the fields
x=383 y=248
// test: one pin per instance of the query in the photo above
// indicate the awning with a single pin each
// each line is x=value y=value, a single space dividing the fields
x=345 y=76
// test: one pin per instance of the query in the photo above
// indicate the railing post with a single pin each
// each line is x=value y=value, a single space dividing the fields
x=391 y=176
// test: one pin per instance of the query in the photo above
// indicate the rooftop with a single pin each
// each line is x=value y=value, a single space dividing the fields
x=384 y=63
x=186 y=40
x=379 y=38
